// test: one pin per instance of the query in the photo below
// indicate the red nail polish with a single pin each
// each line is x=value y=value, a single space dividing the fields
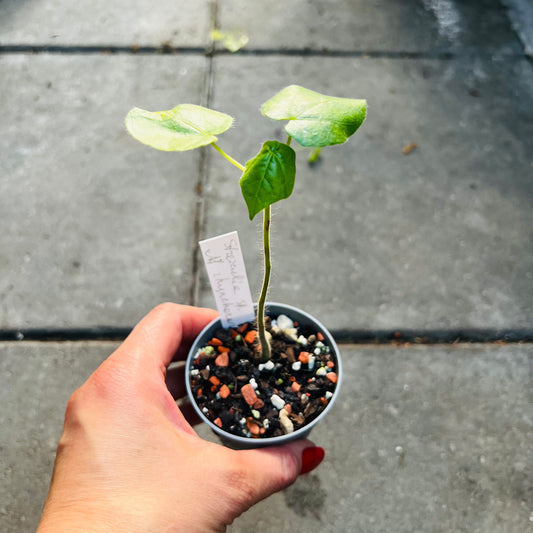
x=311 y=458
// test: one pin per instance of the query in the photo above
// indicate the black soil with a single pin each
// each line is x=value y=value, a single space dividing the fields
x=230 y=361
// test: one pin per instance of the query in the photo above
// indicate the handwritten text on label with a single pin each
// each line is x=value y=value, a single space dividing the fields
x=227 y=275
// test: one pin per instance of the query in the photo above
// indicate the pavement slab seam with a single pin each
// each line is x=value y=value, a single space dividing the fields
x=342 y=336
x=209 y=51
x=203 y=170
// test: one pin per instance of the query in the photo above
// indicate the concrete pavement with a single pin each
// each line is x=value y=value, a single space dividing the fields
x=423 y=438
x=97 y=229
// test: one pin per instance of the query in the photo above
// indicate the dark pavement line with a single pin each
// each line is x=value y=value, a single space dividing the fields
x=324 y=52
x=97 y=333
x=342 y=336
x=433 y=336
x=167 y=48
x=97 y=49
x=199 y=223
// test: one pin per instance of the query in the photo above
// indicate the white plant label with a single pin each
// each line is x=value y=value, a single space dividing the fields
x=227 y=275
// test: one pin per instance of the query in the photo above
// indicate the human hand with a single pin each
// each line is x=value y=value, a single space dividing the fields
x=128 y=459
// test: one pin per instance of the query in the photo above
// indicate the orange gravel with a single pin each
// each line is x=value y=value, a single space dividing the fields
x=250 y=336
x=249 y=395
x=222 y=359
x=224 y=391
x=332 y=377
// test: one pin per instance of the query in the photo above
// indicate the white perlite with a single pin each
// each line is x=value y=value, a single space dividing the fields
x=291 y=334
x=277 y=402
x=269 y=365
x=275 y=330
x=285 y=422
x=302 y=340
x=284 y=322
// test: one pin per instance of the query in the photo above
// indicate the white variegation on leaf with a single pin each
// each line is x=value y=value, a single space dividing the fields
x=185 y=127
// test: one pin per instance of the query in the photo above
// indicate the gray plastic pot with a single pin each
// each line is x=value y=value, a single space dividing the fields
x=272 y=310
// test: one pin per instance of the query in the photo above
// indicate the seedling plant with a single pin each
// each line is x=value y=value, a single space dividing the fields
x=314 y=121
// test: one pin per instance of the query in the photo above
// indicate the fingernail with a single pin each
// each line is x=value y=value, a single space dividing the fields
x=311 y=458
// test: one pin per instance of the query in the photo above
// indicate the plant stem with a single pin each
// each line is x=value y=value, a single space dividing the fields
x=228 y=157
x=313 y=158
x=265 y=345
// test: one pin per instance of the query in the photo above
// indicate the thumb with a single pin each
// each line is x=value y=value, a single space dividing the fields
x=273 y=469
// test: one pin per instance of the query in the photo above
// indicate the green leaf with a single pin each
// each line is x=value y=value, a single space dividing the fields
x=231 y=40
x=315 y=119
x=268 y=177
x=185 y=127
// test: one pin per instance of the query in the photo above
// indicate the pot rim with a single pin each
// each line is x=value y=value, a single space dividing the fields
x=281 y=439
